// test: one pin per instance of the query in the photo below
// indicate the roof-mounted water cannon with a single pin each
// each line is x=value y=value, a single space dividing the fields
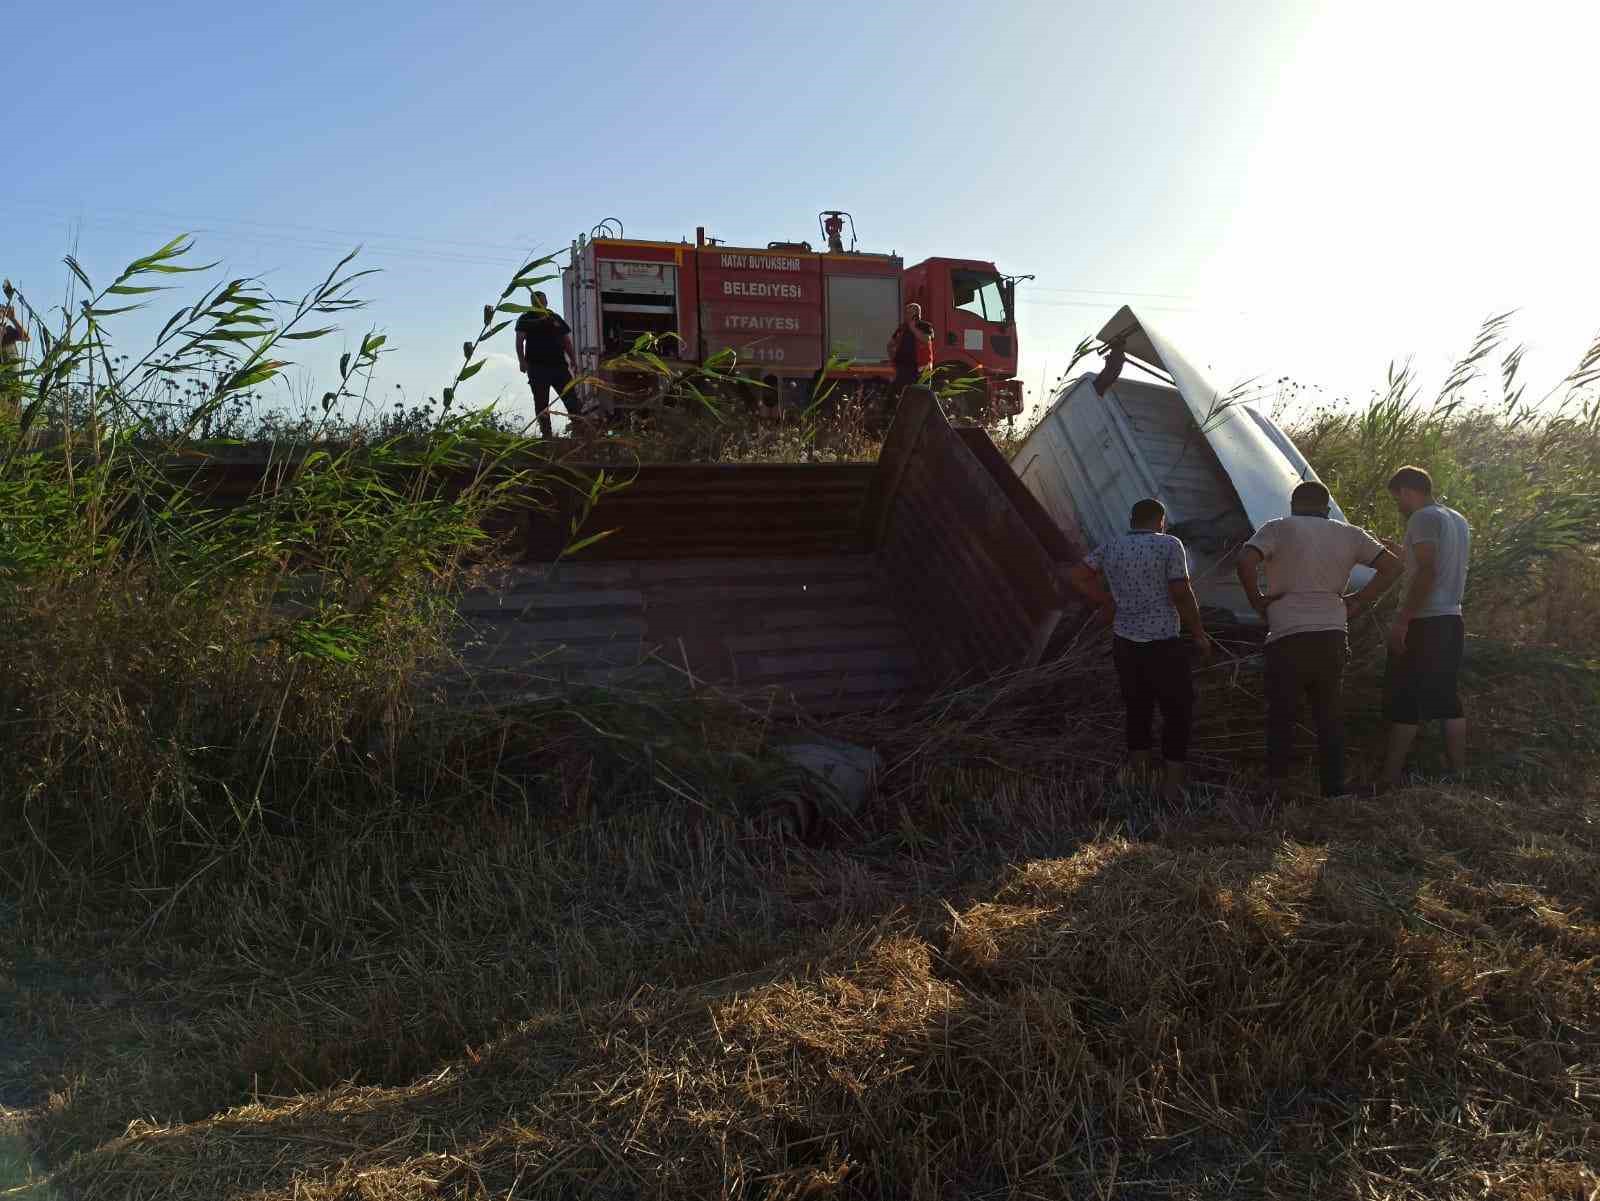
x=831 y=222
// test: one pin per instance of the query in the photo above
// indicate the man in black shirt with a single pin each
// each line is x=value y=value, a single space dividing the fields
x=544 y=352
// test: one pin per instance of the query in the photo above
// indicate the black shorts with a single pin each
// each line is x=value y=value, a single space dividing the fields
x=543 y=380
x=1421 y=684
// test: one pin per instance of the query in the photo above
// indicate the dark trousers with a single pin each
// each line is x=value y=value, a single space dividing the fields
x=1156 y=674
x=544 y=379
x=1310 y=665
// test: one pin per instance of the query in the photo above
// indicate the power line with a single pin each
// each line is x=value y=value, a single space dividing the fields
x=259 y=240
x=221 y=222
x=1112 y=292
x=1100 y=305
x=430 y=249
x=263 y=235
x=333 y=248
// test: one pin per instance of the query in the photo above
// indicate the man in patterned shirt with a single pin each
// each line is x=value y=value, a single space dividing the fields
x=1150 y=601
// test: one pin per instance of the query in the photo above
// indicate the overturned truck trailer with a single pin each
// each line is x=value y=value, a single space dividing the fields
x=1221 y=468
x=825 y=587
x=833 y=587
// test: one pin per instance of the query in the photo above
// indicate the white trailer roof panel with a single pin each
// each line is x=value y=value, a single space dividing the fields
x=1261 y=473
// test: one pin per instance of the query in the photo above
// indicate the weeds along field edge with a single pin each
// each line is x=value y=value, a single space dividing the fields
x=182 y=678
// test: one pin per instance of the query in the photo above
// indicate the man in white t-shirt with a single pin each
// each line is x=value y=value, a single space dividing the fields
x=1142 y=578
x=1308 y=559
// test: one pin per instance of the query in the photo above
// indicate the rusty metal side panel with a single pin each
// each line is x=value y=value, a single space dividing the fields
x=815 y=633
x=226 y=483
x=720 y=511
x=975 y=587
x=1064 y=545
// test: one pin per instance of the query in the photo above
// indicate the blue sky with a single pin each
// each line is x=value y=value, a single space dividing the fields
x=1288 y=188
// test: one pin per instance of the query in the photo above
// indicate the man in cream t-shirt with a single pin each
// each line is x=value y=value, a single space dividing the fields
x=1308 y=560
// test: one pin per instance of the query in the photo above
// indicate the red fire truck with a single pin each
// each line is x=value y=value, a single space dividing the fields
x=784 y=311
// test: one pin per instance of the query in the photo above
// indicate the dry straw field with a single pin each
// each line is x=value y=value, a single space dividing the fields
x=279 y=927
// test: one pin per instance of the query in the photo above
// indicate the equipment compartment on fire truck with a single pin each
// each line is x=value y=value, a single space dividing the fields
x=863 y=311
x=636 y=298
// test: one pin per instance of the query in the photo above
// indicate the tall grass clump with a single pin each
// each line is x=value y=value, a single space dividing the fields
x=183 y=675
x=1524 y=470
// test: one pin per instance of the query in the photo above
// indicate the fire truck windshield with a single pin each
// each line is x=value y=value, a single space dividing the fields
x=978 y=293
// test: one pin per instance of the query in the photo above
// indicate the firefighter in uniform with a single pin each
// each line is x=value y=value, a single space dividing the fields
x=910 y=351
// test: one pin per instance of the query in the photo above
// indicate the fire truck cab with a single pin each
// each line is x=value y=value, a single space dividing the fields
x=971 y=307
